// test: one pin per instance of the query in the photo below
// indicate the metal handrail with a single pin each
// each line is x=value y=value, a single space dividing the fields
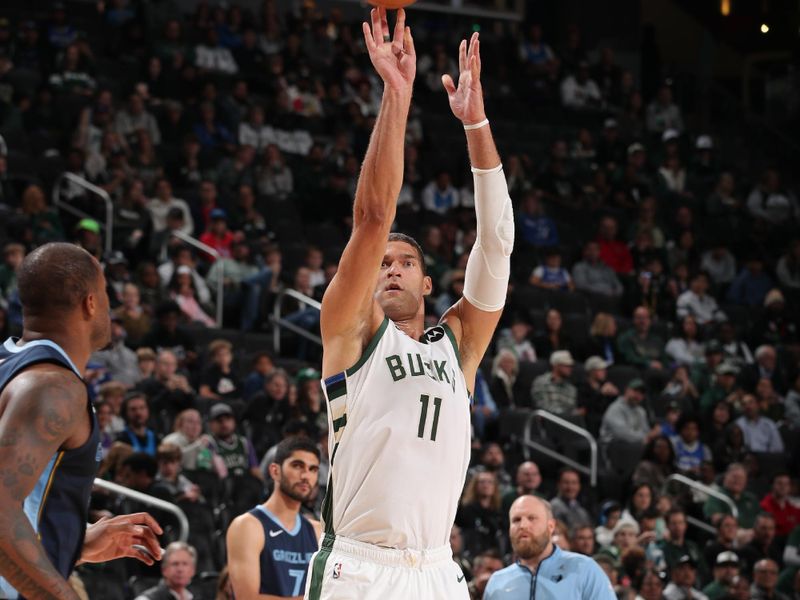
x=87 y=185
x=220 y=272
x=529 y=442
x=183 y=522
x=701 y=487
x=279 y=322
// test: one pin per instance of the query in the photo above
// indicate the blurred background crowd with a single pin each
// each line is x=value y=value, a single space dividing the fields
x=654 y=306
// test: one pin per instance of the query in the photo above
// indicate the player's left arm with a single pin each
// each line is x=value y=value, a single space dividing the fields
x=473 y=319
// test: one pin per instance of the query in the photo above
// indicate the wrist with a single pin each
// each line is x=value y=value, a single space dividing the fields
x=472 y=121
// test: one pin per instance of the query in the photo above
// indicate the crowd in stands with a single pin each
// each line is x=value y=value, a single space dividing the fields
x=655 y=299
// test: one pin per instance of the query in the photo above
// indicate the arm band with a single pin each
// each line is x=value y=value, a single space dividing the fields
x=489 y=264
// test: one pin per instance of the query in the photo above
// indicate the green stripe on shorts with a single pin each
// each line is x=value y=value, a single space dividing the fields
x=318 y=567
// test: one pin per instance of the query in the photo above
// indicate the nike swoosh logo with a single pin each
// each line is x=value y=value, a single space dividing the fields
x=460 y=579
x=275 y=533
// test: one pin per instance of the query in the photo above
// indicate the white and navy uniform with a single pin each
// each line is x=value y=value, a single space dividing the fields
x=400 y=447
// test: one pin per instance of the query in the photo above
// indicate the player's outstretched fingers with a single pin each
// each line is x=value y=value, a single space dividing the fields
x=368 y=40
x=385 y=31
x=399 y=32
x=448 y=84
x=408 y=43
x=462 y=56
x=377 y=29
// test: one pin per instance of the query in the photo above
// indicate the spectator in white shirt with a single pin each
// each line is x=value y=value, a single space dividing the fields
x=719 y=263
x=210 y=56
x=696 y=302
x=788 y=269
x=685 y=349
x=579 y=92
x=129 y=120
x=160 y=206
x=663 y=113
x=771 y=202
x=760 y=433
x=252 y=132
x=439 y=195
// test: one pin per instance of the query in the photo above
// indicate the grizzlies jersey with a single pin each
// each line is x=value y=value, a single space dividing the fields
x=286 y=554
x=58 y=506
x=399 y=442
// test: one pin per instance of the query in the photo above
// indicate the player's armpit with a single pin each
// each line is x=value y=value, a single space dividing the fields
x=245 y=541
x=473 y=329
x=45 y=409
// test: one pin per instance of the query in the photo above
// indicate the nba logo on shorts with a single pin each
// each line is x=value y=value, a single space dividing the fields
x=337 y=570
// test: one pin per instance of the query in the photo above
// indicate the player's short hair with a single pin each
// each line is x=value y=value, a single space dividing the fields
x=291 y=445
x=55 y=278
x=402 y=237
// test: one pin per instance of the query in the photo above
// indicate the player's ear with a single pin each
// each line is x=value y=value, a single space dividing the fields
x=275 y=471
x=427 y=285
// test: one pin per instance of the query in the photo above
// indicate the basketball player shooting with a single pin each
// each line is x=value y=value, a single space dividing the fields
x=398 y=395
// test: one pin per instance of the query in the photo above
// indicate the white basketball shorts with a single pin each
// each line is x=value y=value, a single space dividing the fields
x=344 y=569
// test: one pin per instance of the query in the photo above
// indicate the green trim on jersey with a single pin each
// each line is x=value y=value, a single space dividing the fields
x=318 y=567
x=452 y=338
x=369 y=349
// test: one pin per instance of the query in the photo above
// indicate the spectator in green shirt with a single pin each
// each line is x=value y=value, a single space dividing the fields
x=724 y=385
x=678 y=546
x=734 y=486
x=726 y=571
x=639 y=346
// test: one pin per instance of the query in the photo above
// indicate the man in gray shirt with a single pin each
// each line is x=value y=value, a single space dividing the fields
x=593 y=275
x=626 y=420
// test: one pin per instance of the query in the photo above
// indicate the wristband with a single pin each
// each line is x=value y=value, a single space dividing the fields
x=476 y=125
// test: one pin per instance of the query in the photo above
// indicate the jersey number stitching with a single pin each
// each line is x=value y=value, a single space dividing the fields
x=437 y=403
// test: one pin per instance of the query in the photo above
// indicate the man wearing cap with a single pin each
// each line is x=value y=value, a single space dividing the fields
x=218 y=236
x=88 y=237
x=235 y=450
x=626 y=420
x=553 y=391
x=596 y=393
x=760 y=433
x=684 y=576
x=724 y=385
x=726 y=570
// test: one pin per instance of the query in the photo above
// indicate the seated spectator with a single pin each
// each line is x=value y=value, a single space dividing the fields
x=528 y=481
x=771 y=202
x=751 y=285
x=613 y=252
x=760 y=433
x=551 y=275
x=715 y=426
x=218 y=236
x=160 y=206
x=217 y=380
x=268 y=410
x=112 y=393
x=485 y=564
x=147 y=362
x=213 y=57
x=595 y=393
x=262 y=366
x=553 y=338
x=778 y=324
x=44 y=222
x=683 y=579
x=538 y=57
x=672 y=177
x=602 y=338
x=170 y=484
x=677 y=546
x=698 y=303
x=792 y=405
x=505 y=367
x=104 y=414
x=723 y=385
x=663 y=113
x=690 y=452
x=658 y=463
x=177 y=571
x=610 y=513
x=235 y=450
x=719 y=263
x=685 y=349
x=479 y=512
x=553 y=391
x=492 y=459
x=566 y=506
x=788 y=268
x=535 y=227
x=765 y=580
x=119 y=360
x=763 y=545
x=439 y=196
x=769 y=401
x=626 y=420
x=582 y=541
x=197 y=449
x=167 y=389
x=766 y=367
x=135 y=321
x=640 y=502
x=183 y=292
x=640 y=346
x=594 y=276
x=734 y=485
x=726 y=540
x=680 y=392
x=579 y=91
x=212 y=135
x=791 y=554
x=624 y=538
x=136 y=433
x=735 y=350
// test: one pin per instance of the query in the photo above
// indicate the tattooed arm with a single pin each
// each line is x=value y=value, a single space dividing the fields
x=42 y=410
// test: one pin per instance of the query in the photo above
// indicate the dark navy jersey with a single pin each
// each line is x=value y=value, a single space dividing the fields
x=286 y=554
x=58 y=506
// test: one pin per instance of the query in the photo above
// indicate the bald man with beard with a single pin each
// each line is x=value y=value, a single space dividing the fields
x=542 y=570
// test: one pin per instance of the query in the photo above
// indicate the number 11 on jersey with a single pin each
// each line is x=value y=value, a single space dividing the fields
x=437 y=403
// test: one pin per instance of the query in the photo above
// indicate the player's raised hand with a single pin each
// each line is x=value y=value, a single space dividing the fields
x=466 y=99
x=393 y=57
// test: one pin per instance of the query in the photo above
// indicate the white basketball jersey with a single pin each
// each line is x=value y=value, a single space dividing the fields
x=399 y=441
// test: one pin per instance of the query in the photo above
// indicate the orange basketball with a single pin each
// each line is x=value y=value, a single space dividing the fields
x=391 y=4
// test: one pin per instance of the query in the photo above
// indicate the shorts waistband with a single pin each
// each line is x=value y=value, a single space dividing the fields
x=392 y=557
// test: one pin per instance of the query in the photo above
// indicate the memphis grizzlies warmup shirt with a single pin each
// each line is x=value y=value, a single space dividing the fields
x=400 y=441
x=286 y=554
x=58 y=506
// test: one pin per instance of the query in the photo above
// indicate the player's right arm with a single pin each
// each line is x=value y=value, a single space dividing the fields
x=245 y=541
x=44 y=409
x=350 y=314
